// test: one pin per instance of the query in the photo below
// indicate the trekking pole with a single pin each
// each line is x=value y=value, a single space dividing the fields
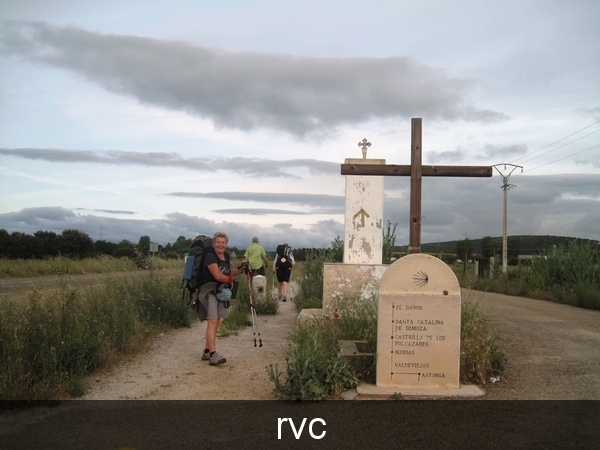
x=253 y=309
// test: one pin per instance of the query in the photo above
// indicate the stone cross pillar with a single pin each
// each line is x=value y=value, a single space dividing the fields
x=363 y=228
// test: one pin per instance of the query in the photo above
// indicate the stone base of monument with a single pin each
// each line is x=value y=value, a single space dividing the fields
x=418 y=330
x=464 y=390
x=352 y=348
x=310 y=314
x=346 y=281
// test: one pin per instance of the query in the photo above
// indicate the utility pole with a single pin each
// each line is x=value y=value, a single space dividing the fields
x=506 y=186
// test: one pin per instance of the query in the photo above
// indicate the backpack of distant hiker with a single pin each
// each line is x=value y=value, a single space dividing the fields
x=284 y=260
x=194 y=265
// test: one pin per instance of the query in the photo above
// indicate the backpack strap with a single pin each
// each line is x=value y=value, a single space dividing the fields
x=205 y=276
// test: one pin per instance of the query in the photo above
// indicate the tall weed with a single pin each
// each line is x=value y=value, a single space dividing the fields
x=480 y=357
x=566 y=274
x=315 y=368
x=49 y=343
x=18 y=268
x=311 y=279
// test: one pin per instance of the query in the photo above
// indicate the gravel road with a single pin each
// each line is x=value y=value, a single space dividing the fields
x=553 y=350
x=553 y=353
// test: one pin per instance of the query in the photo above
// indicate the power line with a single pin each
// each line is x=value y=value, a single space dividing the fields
x=564 y=145
x=556 y=142
x=457 y=197
x=552 y=162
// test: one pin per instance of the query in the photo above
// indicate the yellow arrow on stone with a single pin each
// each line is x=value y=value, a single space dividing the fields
x=362 y=213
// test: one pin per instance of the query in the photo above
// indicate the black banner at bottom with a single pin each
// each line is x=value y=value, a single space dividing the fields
x=429 y=424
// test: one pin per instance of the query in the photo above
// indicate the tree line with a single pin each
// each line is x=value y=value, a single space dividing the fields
x=76 y=244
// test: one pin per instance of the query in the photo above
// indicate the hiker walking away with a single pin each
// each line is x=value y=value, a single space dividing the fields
x=216 y=281
x=282 y=266
x=256 y=256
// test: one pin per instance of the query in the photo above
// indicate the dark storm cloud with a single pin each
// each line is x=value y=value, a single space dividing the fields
x=454 y=208
x=34 y=217
x=449 y=156
x=505 y=151
x=108 y=211
x=251 y=167
x=318 y=202
x=167 y=229
x=259 y=211
x=298 y=95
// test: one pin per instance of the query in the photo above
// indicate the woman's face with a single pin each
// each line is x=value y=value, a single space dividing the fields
x=220 y=244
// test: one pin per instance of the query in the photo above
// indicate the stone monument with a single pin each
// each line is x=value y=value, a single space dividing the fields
x=361 y=270
x=418 y=324
x=363 y=236
x=418 y=330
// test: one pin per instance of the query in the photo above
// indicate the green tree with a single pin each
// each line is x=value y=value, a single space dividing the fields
x=4 y=243
x=513 y=250
x=104 y=247
x=488 y=247
x=182 y=242
x=389 y=241
x=76 y=244
x=337 y=249
x=48 y=242
x=464 y=248
x=144 y=245
x=22 y=246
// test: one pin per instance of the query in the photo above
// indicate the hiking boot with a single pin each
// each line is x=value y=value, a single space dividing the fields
x=216 y=359
x=284 y=299
x=205 y=356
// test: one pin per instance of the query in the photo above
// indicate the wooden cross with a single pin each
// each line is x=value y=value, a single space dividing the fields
x=416 y=171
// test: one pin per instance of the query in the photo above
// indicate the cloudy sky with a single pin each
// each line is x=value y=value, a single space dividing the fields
x=177 y=118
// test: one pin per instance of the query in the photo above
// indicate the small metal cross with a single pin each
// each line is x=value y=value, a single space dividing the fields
x=364 y=144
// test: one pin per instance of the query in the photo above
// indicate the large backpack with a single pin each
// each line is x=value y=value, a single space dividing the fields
x=194 y=265
x=283 y=261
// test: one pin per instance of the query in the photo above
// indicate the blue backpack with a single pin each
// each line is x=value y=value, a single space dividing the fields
x=192 y=272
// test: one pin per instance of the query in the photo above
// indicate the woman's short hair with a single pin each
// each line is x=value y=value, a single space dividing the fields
x=220 y=234
x=255 y=240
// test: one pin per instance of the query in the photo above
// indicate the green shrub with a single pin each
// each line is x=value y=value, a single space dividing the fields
x=565 y=274
x=67 y=266
x=315 y=368
x=51 y=342
x=311 y=279
x=480 y=357
x=358 y=321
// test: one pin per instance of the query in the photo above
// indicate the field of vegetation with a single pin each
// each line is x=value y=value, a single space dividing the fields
x=568 y=274
x=51 y=342
x=315 y=368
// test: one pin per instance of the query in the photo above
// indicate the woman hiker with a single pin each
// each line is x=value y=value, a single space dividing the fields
x=216 y=275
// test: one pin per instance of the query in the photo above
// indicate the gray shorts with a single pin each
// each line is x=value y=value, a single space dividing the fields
x=215 y=309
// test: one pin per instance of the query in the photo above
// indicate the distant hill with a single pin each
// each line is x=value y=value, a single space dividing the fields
x=530 y=245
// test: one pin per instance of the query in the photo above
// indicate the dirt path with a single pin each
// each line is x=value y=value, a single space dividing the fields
x=172 y=369
x=553 y=352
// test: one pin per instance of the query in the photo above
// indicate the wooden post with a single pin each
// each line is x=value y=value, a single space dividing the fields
x=416 y=172
x=414 y=241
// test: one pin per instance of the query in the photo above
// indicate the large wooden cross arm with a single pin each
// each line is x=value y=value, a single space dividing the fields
x=426 y=171
x=416 y=171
